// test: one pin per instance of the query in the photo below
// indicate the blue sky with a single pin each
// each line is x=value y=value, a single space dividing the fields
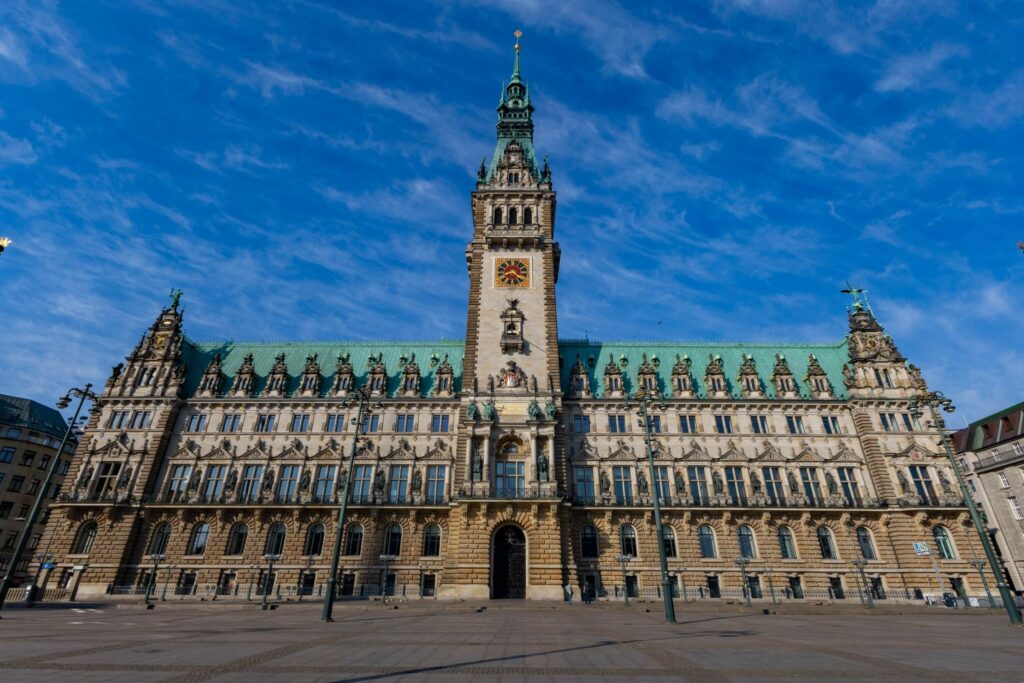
x=302 y=170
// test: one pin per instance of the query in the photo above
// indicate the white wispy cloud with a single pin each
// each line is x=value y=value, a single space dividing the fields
x=917 y=69
x=16 y=151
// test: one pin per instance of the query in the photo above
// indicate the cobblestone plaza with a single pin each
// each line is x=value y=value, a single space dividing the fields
x=507 y=641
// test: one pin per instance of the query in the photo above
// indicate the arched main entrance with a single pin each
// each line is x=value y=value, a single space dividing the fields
x=508 y=563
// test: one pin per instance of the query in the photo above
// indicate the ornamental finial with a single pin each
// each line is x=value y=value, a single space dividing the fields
x=175 y=297
x=515 y=67
x=860 y=298
x=517 y=34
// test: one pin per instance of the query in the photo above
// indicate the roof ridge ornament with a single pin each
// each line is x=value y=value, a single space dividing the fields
x=860 y=299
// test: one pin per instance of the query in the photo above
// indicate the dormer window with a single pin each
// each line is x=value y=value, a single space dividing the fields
x=716 y=384
x=614 y=384
x=883 y=378
x=377 y=383
x=750 y=384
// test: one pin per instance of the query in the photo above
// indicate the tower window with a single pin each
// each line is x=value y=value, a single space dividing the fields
x=512 y=217
x=497 y=215
x=527 y=215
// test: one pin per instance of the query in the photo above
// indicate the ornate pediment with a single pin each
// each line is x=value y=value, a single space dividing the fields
x=222 y=450
x=916 y=451
x=622 y=451
x=258 y=450
x=439 y=449
x=402 y=451
x=121 y=444
x=769 y=453
x=844 y=454
x=807 y=455
x=696 y=452
x=732 y=454
x=296 y=449
x=661 y=451
x=332 y=449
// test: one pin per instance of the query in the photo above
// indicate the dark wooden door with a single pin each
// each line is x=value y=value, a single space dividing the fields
x=509 y=572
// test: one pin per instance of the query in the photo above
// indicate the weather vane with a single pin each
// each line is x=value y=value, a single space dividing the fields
x=517 y=34
x=860 y=298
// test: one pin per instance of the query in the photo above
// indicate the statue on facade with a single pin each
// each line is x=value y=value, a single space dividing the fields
x=229 y=484
x=606 y=484
x=379 y=481
x=680 y=483
x=268 y=483
x=472 y=412
x=126 y=476
x=755 y=482
x=641 y=481
x=115 y=371
x=417 y=481
x=794 y=487
x=717 y=483
x=830 y=482
x=304 y=482
x=342 y=479
x=533 y=410
x=542 y=467
x=944 y=483
x=902 y=479
x=478 y=466
x=550 y=410
x=489 y=410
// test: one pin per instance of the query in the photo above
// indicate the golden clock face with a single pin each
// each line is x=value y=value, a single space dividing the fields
x=512 y=272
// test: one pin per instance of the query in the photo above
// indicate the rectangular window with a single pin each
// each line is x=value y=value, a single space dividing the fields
x=371 y=424
x=252 y=477
x=848 y=480
x=616 y=424
x=300 y=423
x=1015 y=507
x=723 y=424
x=661 y=484
x=759 y=423
x=195 y=423
x=908 y=422
x=830 y=423
x=323 y=487
x=436 y=483
x=215 y=481
x=510 y=479
x=698 y=484
x=33 y=488
x=404 y=423
x=655 y=424
x=335 y=423
x=288 y=484
x=5 y=509
x=581 y=424
x=119 y=419
x=180 y=475
x=362 y=483
x=141 y=419
x=795 y=424
x=106 y=477
x=6 y=454
x=265 y=422
x=1004 y=481
x=16 y=483
x=27 y=458
x=773 y=485
x=44 y=462
x=585 y=492
x=231 y=423
x=13 y=433
x=65 y=465
x=439 y=423
x=922 y=483
x=735 y=485
x=399 y=480
x=812 y=486
x=688 y=424
x=623 y=479
x=889 y=422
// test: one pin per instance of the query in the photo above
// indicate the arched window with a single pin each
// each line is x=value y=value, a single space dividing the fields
x=512 y=217
x=944 y=543
x=588 y=541
x=432 y=541
x=393 y=540
x=84 y=538
x=867 y=546
x=497 y=215
x=314 y=540
x=197 y=542
x=527 y=216
x=275 y=539
x=787 y=546
x=706 y=536
x=627 y=536
x=354 y=540
x=158 y=541
x=746 y=537
x=669 y=539
x=236 y=539
x=828 y=548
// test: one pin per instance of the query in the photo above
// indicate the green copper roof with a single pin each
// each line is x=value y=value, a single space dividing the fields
x=594 y=355
x=197 y=356
x=23 y=412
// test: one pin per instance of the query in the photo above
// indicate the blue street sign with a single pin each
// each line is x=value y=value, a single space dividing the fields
x=49 y=565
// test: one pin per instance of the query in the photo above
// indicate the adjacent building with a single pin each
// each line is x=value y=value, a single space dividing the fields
x=991 y=452
x=513 y=462
x=30 y=434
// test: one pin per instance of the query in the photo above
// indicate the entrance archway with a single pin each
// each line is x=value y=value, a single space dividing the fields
x=508 y=563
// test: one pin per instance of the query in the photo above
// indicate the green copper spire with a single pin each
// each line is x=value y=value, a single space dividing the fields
x=515 y=67
x=515 y=118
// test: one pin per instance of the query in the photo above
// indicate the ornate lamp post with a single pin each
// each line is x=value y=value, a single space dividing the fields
x=932 y=400
x=167 y=582
x=157 y=559
x=37 y=505
x=859 y=564
x=743 y=562
x=271 y=558
x=645 y=400
x=979 y=564
x=252 y=580
x=624 y=560
x=363 y=396
x=386 y=560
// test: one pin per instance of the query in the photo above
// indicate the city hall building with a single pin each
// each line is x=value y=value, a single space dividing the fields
x=512 y=463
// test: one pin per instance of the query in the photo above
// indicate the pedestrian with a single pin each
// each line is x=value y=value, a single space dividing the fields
x=568 y=592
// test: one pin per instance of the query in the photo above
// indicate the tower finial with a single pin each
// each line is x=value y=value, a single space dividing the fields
x=515 y=68
x=860 y=299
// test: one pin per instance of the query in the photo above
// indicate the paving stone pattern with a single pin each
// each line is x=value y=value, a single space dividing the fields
x=505 y=642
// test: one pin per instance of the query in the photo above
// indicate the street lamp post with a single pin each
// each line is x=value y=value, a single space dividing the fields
x=252 y=580
x=33 y=589
x=423 y=568
x=386 y=560
x=859 y=564
x=666 y=586
x=363 y=395
x=743 y=562
x=979 y=564
x=37 y=505
x=771 y=587
x=624 y=560
x=271 y=558
x=167 y=582
x=151 y=584
x=931 y=399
